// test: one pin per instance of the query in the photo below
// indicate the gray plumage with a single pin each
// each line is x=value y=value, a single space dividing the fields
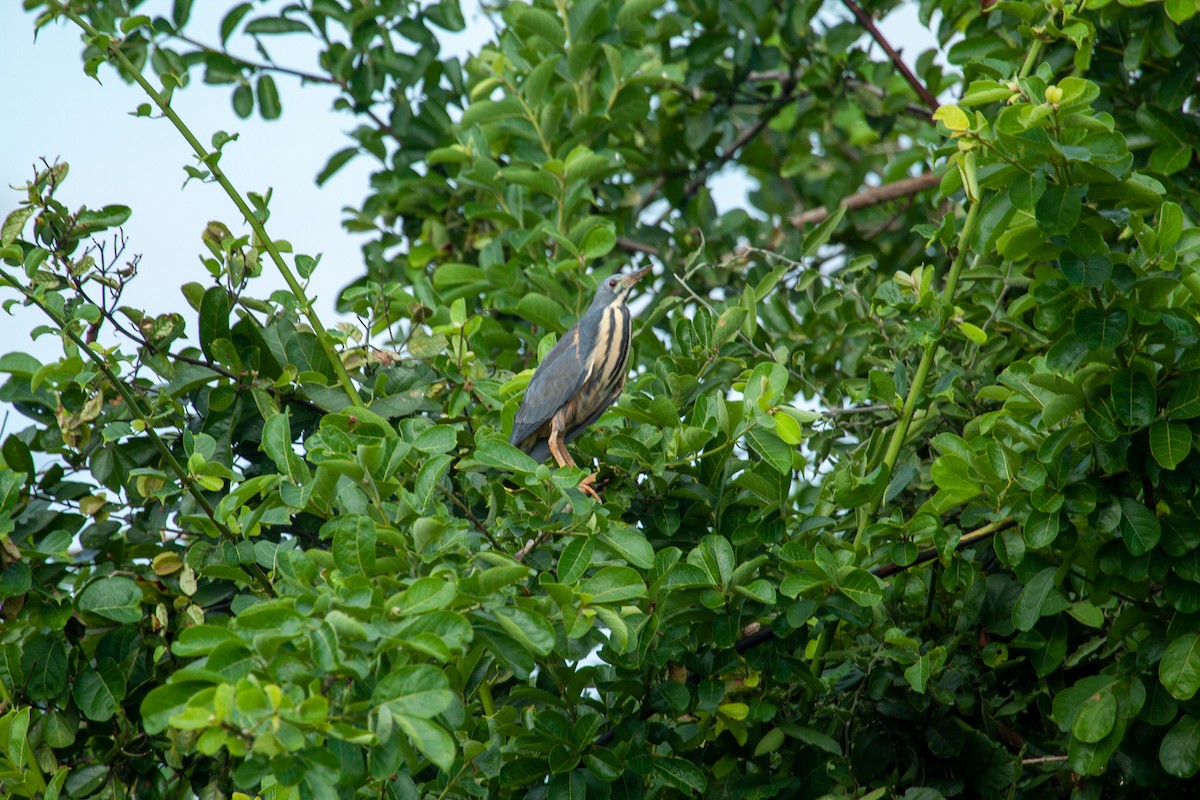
x=582 y=375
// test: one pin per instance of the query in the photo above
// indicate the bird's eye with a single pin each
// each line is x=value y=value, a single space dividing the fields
x=612 y=284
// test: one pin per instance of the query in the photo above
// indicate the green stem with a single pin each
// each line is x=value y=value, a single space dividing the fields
x=900 y=432
x=136 y=408
x=255 y=224
x=1032 y=57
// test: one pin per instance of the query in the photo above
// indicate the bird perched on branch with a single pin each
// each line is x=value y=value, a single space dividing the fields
x=579 y=378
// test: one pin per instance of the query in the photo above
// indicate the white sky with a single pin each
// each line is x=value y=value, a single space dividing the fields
x=54 y=110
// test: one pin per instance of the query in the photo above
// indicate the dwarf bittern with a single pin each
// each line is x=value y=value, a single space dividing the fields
x=579 y=378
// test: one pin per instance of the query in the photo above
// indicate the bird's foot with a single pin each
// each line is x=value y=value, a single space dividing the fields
x=587 y=486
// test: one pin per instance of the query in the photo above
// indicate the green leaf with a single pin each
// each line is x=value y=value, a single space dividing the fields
x=13 y=224
x=1170 y=443
x=275 y=25
x=418 y=691
x=335 y=163
x=1096 y=717
x=599 y=241
x=760 y=591
x=1170 y=224
x=1133 y=397
x=530 y=630
x=354 y=540
x=636 y=11
x=771 y=448
x=680 y=774
x=230 y=21
x=1028 y=608
x=575 y=558
x=423 y=596
x=99 y=692
x=1139 y=527
x=953 y=117
x=200 y=640
x=1090 y=272
x=431 y=739
x=268 y=97
x=1102 y=329
x=1058 y=209
x=862 y=587
x=115 y=598
x=541 y=23
x=105 y=218
x=1180 y=11
x=438 y=439
x=715 y=556
x=482 y=112
x=538 y=308
x=952 y=474
x=44 y=664
x=1185 y=400
x=1040 y=529
x=181 y=11
x=15 y=579
x=630 y=544
x=167 y=700
x=818 y=236
x=613 y=585
x=214 y=318
x=243 y=104
x=1179 y=669
x=1179 y=752
x=499 y=454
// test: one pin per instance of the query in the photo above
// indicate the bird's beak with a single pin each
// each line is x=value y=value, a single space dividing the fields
x=629 y=280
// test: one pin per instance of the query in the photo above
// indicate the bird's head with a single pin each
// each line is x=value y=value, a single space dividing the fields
x=616 y=288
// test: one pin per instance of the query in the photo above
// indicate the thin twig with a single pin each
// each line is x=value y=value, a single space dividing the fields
x=631 y=246
x=531 y=545
x=868 y=23
x=471 y=516
x=729 y=153
x=870 y=197
x=260 y=67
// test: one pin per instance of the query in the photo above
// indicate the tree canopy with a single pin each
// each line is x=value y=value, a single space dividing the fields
x=900 y=499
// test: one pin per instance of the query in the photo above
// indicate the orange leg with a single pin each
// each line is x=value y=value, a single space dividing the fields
x=558 y=448
x=562 y=456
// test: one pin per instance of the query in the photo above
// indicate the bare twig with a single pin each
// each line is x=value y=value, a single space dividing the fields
x=531 y=545
x=735 y=146
x=865 y=20
x=471 y=516
x=1044 y=760
x=631 y=246
x=871 y=197
x=260 y=67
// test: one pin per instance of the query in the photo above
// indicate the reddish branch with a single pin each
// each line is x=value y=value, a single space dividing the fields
x=871 y=197
x=868 y=23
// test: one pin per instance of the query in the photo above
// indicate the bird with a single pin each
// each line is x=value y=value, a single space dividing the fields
x=581 y=376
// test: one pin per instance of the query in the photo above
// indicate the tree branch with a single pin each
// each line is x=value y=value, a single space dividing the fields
x=868 y=23
x=871 y=197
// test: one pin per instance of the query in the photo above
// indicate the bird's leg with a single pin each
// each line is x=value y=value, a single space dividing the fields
x=587 y=486
x=562 y=455
x=558 y=449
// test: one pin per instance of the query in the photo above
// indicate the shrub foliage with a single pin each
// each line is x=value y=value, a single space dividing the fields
x=900 y=500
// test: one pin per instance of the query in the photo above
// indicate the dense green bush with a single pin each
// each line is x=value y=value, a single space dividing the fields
x=247 y=552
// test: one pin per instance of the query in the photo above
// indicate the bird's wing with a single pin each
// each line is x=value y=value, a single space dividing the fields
x=555 y=381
